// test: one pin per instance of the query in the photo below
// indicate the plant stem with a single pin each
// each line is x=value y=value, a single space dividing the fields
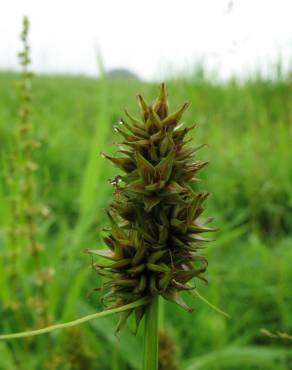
x=150 y=361
x=129 y=306
x=161 y=315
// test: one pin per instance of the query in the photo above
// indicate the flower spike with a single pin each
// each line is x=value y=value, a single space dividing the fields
x=156 y=232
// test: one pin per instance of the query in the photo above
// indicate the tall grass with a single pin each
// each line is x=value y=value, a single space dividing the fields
x=249 y=131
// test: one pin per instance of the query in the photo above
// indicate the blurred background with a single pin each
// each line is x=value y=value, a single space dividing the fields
x=232 y=60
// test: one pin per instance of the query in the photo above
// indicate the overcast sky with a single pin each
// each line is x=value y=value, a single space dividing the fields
x=149 y=37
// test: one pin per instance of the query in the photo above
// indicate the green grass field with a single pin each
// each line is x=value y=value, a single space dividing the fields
x=248 y=129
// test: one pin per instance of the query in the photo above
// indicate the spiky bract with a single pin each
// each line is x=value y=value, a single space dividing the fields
x=155 y=231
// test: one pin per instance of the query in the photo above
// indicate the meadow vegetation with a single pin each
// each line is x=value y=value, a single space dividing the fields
x=248 y=128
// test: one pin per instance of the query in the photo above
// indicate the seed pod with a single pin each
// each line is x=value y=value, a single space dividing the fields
x=155 y=234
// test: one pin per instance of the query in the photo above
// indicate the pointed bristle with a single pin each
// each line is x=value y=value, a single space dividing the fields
x=161 y=105
x=143 y=107
x=163 y=92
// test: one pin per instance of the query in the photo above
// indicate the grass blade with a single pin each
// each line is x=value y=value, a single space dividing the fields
x=82 y=320
x=253 y=355
x=150 y=360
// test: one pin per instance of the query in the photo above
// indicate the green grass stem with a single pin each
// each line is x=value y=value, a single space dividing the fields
x=82 y=320
x=150 y=360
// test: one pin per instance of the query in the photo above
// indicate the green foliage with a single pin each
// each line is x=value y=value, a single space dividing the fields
x=248 y=130
x=237 y=357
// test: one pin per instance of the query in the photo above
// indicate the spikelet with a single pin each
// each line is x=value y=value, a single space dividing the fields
x=155 y=232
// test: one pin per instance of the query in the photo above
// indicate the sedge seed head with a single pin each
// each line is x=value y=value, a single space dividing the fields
x=155 y=232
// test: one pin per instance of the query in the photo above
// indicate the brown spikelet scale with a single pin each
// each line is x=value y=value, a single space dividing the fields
x=155 y=232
